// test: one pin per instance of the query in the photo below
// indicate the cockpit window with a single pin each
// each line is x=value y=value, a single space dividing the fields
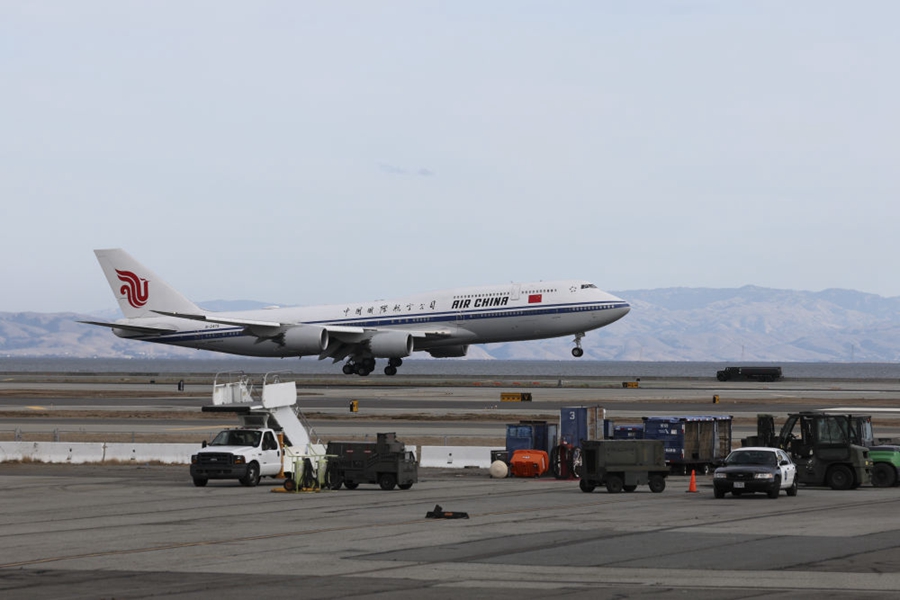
x=586 y=286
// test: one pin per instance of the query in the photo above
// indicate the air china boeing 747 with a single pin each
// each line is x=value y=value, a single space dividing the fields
x=442 y=323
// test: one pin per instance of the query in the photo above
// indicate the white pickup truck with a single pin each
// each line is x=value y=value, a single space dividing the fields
x=253 y=450
x=244 y=454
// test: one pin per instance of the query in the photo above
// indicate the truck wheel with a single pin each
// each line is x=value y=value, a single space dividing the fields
x=404 y=486
x=629 y=488
x=614 y=484
x=200 y=482
x=336 y=483
x=884 y=475
x=387 y=481
x=252 y=477
x=351 y=485
x=839 y=477
x=657 y=483
x=585 y=486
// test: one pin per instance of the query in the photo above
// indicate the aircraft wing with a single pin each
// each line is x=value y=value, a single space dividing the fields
x=135 y=328
x=222 y=320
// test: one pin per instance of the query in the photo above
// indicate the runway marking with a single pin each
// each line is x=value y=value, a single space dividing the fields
x=37 y=407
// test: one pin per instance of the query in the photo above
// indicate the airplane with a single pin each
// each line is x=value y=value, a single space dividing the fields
x=442 y=323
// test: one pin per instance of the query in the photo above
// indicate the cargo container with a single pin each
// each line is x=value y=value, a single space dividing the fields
x=531 y=435
x=692 y=443
x=628 y=432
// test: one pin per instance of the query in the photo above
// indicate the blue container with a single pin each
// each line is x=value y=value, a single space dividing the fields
x=628 y=432
x=691 y=440
x=531 y=435
x=573 y=425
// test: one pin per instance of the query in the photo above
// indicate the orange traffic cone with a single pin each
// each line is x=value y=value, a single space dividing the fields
x=693 y=485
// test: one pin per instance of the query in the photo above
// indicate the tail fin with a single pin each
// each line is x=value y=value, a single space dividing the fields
x=138 y=289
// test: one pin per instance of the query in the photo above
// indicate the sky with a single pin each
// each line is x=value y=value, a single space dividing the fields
x=309 y=152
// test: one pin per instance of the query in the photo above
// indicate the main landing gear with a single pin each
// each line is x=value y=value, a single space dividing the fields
x=577 y=352
x=365 y=366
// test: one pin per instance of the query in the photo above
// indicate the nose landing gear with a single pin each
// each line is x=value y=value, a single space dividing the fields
x=577 y=352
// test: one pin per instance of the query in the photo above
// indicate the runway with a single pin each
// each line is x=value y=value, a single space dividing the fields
x=133 y=531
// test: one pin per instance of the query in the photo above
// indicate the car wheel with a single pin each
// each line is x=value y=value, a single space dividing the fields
x=718 y=493
x=776 y=488
x=792 y=491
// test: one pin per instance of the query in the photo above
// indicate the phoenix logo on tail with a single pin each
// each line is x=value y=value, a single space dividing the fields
x=135 y=290
x=442 y=323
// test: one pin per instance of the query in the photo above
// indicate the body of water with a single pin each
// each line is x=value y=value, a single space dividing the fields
x=447 y=367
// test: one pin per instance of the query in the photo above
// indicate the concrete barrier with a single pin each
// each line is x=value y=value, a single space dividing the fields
x=96 y=452
x=456 y=457
x=450 y=457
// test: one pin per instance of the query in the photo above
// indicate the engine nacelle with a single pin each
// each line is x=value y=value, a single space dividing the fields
x=306 y=339
x=449 y=351
x=391 y=344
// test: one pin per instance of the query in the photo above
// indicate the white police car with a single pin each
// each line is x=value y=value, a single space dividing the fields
x=749 y=470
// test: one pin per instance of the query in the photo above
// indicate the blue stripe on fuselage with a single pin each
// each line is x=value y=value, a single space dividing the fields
x=417 y=320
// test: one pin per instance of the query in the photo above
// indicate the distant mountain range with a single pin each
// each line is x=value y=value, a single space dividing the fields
x=672 y=324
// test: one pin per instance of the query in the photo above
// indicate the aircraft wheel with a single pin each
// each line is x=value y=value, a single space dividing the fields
x=348 y=369
x=390 y=371
x=395 y=362
x=577 y=352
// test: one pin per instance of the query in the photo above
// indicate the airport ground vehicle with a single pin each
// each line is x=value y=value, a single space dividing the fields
x=272 y=441
x=822 y=445
x=623 y=465
x=692 y=442
x=885 y=457
x=386 y=462
x=749 y=373
x=244 y=454
x=756 y=469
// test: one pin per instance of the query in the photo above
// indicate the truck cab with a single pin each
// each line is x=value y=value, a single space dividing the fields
x=245 y=454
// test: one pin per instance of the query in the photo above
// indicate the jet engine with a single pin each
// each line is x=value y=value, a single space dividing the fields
x=305 y=339
x=449 y=351
x=391 y=344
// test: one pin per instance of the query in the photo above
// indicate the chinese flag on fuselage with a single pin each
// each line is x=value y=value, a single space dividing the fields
x=534 y=298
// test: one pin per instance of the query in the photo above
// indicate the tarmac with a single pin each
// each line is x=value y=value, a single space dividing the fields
x=139 y=531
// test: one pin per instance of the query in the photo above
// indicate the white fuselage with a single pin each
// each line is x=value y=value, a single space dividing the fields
x=475 y=315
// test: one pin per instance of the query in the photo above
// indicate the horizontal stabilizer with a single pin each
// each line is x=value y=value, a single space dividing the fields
x=134 y=328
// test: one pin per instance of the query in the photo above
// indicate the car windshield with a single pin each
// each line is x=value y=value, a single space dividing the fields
x=751 y=457
x=236 y=438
